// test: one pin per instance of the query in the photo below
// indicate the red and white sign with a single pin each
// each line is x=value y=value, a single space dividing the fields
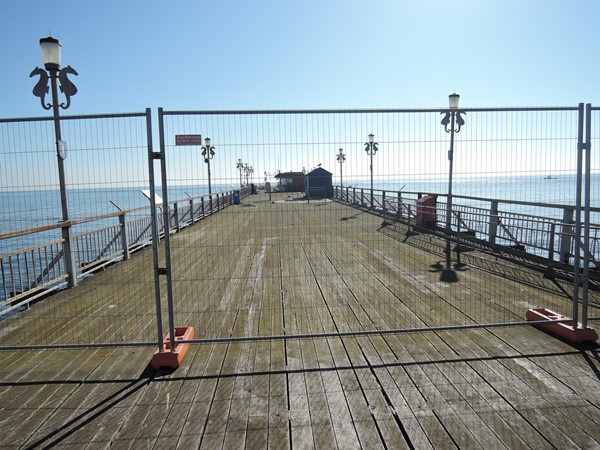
x=188 y=139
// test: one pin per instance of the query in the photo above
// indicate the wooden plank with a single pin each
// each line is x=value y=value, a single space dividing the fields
x=294 y=268
x=547 y=418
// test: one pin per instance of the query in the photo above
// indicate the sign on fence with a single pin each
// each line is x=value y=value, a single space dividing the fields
x=188 y=139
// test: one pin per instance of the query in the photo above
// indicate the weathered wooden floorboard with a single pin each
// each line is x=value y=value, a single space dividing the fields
x=289 y=268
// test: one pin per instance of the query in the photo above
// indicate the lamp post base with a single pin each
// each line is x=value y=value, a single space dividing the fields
x=449 y=276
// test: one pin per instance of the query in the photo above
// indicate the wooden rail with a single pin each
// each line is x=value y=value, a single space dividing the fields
x=26 y=274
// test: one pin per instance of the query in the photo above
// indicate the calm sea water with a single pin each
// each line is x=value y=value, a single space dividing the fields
x=559 y=190
x=530 y=188
x=26 y=209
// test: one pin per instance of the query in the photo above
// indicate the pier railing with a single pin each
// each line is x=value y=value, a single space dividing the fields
x=33 y=272
x=547 y=237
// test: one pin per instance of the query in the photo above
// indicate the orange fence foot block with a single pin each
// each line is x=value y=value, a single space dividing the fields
x=172 y=359
x=564 y=329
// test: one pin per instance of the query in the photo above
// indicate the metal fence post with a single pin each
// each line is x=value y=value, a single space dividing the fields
x=176 y=214
x=577 y=246
x=586 y=215
x=566 y=234
x=155 y=223
x=167 y=270
x=551 y=242
x=494 y=220
x=124 y=239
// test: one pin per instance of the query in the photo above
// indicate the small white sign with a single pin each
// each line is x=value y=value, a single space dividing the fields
x=157 y=199
x=62 y=149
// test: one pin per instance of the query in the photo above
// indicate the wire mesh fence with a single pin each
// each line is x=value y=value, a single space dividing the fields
x=106 y=165
x=288 y=263
x=305 y=242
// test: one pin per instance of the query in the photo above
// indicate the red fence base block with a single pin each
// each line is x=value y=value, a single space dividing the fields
x=172 y=359
x=564 y=329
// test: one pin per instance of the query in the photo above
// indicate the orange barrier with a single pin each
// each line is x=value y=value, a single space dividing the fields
x=563 y=329
x=168 y=358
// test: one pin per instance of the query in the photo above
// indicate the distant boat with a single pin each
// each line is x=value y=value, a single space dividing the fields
x=549 y=177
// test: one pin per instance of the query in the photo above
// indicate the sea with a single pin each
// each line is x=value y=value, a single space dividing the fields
x=559 y=190
x=35 y=208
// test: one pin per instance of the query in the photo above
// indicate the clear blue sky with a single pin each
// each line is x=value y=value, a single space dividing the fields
x=231 y=54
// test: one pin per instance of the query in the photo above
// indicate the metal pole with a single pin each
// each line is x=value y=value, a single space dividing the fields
x=371 y=153
x=577 y=249
x=155 y=231
x=168 y=267
x=449 y=203
x=586 y=218
x=66 y=228
x=208 y=162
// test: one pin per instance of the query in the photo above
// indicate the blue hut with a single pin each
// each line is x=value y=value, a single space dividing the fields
x=318 y=183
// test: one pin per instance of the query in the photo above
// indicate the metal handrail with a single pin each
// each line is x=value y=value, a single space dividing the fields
x=546 y=237
x=29 y=272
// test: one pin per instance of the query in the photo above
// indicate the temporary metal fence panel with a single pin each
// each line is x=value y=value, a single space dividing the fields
x=274 y=264
x=373 y=258
x=105 y=160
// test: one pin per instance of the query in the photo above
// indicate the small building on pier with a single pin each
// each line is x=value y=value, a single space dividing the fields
x=290 y=181
x=318 y=183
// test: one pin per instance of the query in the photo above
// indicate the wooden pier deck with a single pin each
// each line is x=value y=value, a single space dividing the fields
x=286 y=268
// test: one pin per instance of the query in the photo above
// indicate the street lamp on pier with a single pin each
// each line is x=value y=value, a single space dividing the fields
x=51 y=55
x=248 y=171
x=452 y=122
x=208 y=152
x=240 y=167
x=341 y=157
x=371 y=148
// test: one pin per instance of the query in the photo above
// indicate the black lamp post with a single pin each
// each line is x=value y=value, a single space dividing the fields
x=248 y=170
x=341 y=158
x=452 y=122
x=51 y=55
x=208 y=152
x=240 y=167
x=371 y=149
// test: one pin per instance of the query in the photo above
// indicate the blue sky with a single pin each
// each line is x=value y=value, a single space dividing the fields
x=231 y=54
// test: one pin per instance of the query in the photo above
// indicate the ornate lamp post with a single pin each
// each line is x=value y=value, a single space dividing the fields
x=51 y=55
x=248 y=170
x=452 y=122
x=240 y=167
x=208 y=152
x=371 y=149
x=341 y=158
